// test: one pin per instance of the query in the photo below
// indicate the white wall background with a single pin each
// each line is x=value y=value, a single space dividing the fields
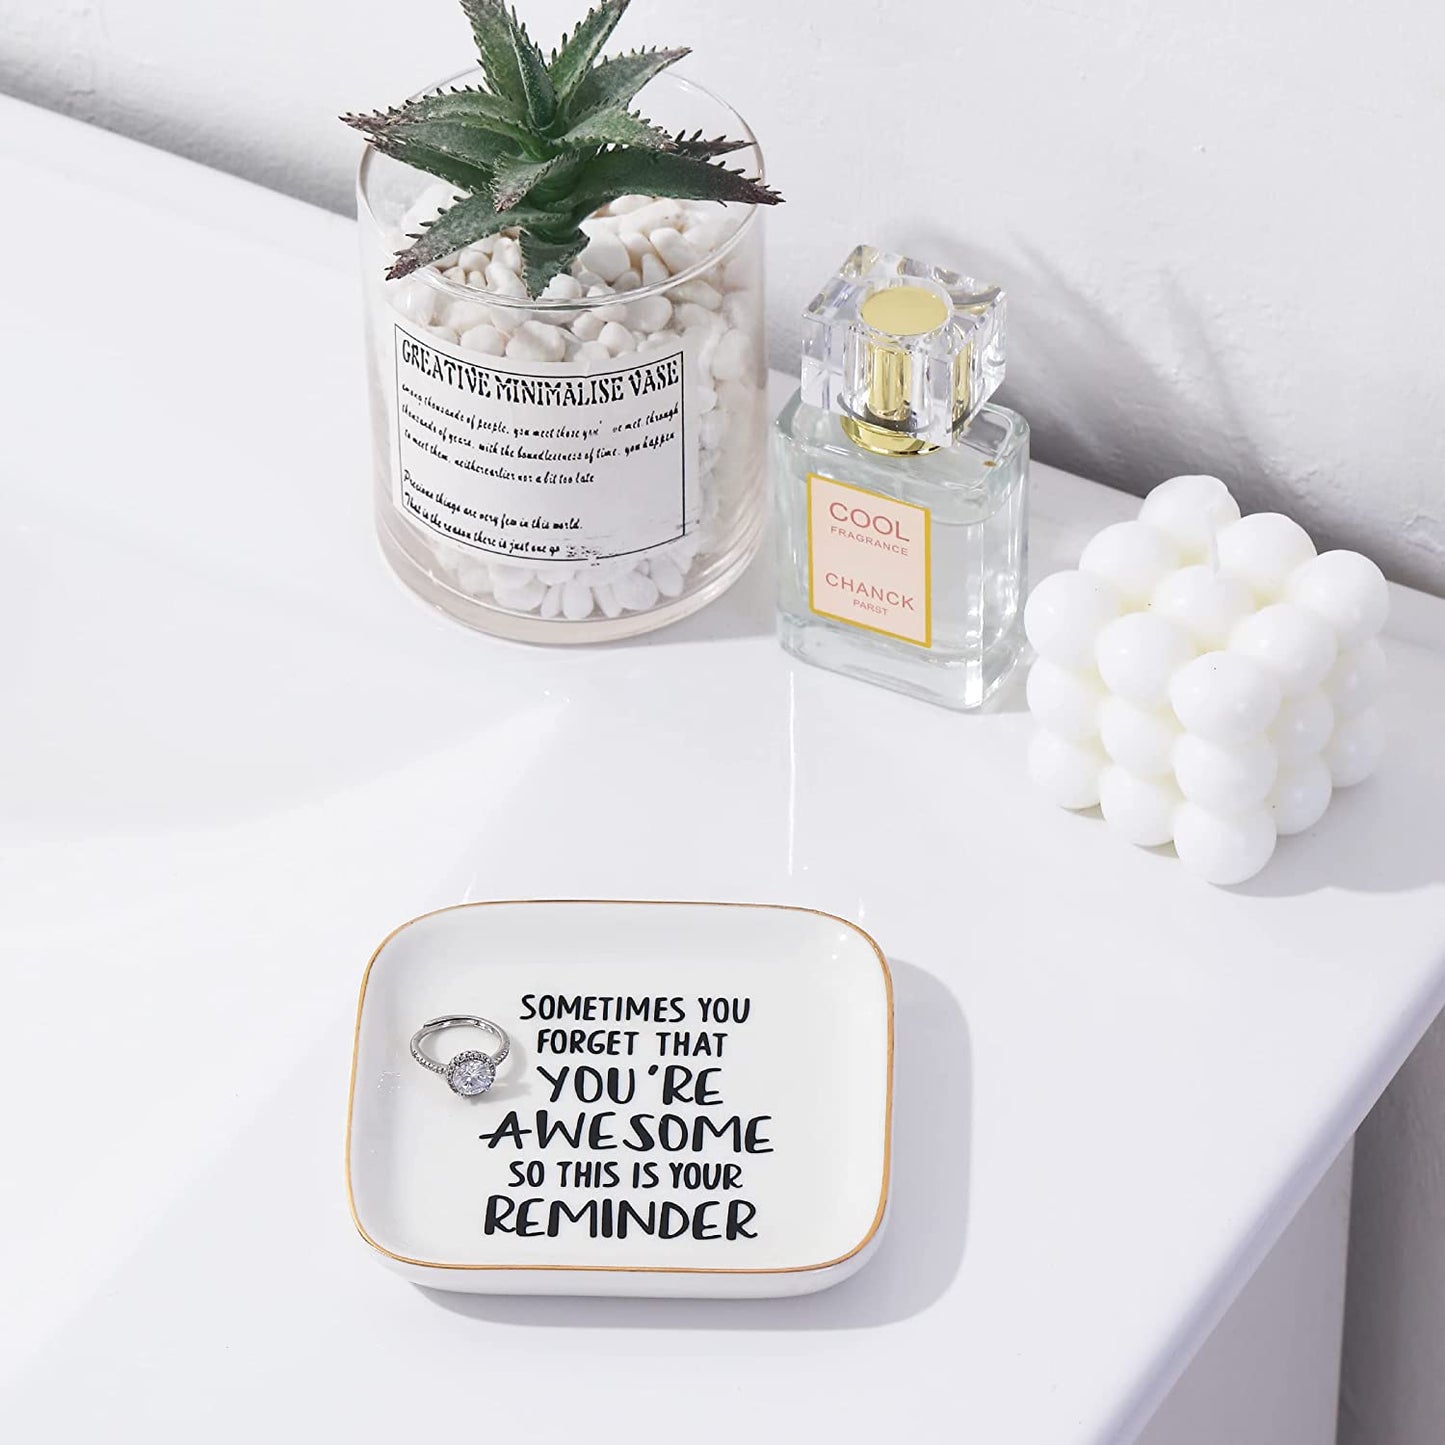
x=1221 y=225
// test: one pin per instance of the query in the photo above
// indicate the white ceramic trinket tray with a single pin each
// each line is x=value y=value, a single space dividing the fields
x=696 y=1101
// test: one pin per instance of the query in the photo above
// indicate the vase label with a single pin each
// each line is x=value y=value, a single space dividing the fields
x=868 y=562
x=539 y=461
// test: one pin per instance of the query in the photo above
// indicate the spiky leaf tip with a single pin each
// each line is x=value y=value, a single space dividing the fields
x=575 y=53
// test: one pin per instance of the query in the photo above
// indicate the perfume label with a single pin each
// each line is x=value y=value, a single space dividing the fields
x=542 y=461
x=868 y=561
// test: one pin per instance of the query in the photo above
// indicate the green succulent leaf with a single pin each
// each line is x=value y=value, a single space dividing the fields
x=541 y=99
x=616 y=125
x=516 y=178
x=483 y=149
x=574 y=56
x=695 y=145
x=544 y=258
x=467 y=175
x=469 y=107
x=666 y=173
x=469 y=220
x=492 y=34
x=616 y=80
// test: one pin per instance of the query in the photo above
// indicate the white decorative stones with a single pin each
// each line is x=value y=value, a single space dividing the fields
x=1206 y=679
x=633 y=301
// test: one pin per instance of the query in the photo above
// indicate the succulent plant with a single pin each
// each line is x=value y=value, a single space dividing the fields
x=546 y=142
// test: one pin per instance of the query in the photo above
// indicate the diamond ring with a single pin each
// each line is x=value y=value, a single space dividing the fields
x=471 y=1072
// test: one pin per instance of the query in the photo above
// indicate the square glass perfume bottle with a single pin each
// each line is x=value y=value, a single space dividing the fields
x=902 y=494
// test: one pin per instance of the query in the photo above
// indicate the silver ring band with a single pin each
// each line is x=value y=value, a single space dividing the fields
x=471 y=1072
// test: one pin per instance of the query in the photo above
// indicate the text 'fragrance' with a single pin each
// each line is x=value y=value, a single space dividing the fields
x=902 y=496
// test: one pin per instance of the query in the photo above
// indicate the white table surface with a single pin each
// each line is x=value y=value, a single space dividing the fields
x=237 y=752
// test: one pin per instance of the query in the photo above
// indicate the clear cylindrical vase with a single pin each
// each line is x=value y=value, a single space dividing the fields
x=588 y=464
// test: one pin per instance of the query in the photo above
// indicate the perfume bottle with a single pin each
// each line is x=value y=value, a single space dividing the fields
x=902 y=494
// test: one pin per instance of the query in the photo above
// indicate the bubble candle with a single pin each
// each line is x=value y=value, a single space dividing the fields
x=1206 y=679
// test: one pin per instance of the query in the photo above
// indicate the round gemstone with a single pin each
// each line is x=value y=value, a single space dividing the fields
x=471 y=1073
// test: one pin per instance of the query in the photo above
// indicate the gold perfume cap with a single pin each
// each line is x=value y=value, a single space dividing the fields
x=903 y=353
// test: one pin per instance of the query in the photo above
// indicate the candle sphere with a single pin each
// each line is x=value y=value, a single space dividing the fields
x=1223 y=850
x=1205 y=603
x=1067 y=771
x=1190 y=511
x=1294 y=643
x=1345 y=589
x=1138 y=738
x=1142 y=809
x=1139 y=653
x=1300 y=796
x=1355 y=748
x=1303 y=727
x=1357 y=679
x=1225 y=779
x=1225 y=697
x=1264 y=550
x=1065 y=614
x=1131 y=558
x=1064 y=701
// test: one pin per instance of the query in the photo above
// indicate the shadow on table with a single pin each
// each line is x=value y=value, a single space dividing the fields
x=923 y=1242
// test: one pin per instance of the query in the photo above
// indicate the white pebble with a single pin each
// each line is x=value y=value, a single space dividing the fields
x=675 y=249
x=705 y=399
x=712 y=429
x=502 y=282
x=463 y=315
x=593 y=352
x=475 y=258
x=656 y=213
x=536 y=341
x=739 y=309
x=521 y=597
x=576 y=600
x=453 y=273
x=551 y=602
x=418 y=302
x=563 y=287
x=1142 y=809
x=651 y=313
x=639 y=249
x=698 y=291
x=629 y=280
x=1225 y=779
x=486 y=339
x=607 y=600
x=667 y=575
x=587 y=326
x=622 y=205
x=1068 y=772
x=690 y=316
x=731 y=360
x=606 y=257
x=1220 y=850
x=508 y=252
x=653 y=272
x=636 y=592
x=617 y=339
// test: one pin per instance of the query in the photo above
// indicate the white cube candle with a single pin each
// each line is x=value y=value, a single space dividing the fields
x=1206 y=678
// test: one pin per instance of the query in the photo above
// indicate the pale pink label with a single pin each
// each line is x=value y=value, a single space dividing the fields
x=868 y=560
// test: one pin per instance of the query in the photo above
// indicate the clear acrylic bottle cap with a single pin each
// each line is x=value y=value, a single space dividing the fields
x=905 y=353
